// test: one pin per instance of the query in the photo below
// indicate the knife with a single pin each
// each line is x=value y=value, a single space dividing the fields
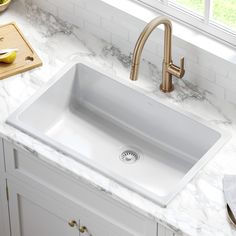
x=4 y=51
x=231 y=216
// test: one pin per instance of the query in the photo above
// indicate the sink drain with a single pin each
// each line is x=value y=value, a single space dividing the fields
x=129 y=156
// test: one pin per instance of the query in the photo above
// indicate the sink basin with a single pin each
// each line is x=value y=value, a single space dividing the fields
x=142 y=143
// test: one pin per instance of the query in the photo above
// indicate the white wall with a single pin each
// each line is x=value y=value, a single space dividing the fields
x=208 y=63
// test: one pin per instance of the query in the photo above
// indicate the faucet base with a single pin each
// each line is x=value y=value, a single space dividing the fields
x=168 y=90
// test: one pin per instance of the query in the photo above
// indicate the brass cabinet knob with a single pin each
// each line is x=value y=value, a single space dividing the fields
x=83 y=229
x=72 y=223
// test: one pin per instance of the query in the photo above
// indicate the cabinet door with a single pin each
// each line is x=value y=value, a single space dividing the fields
x=45 y=213
x=4 y=216
x=102 y=215
x=32 y=213
x=163 y=231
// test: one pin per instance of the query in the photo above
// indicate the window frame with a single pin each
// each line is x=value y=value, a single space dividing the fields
x=202 y=23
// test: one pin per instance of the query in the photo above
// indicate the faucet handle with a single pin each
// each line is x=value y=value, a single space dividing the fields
x=182 y=63
x=175 y=70
x=182 y=71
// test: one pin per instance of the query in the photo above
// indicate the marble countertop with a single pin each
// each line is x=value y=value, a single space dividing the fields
x=199 y=209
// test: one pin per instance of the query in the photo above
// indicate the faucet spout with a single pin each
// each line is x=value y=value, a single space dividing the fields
x=168 y=68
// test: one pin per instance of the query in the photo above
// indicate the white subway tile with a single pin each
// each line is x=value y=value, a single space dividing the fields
x=61 y=2
x=80 y=3
x=98 y=31
x=223 y=69
x=217 y=64
x=115 y=29
x=68 y=6
x=153 y=58
x=226 y=83
x=134 y=34
x=100 y=8
x=68 y=16
x=213 y=88
x=232 y=72
x=191 y=77
x=88 y=16
x=204 y=84
x=64 y=14
x=122 y=44
x=230 y=96
x=232 y=76
x=128 y=21
x=47 y=6
x=207 y=73
x=183 y=44
x=78 y=21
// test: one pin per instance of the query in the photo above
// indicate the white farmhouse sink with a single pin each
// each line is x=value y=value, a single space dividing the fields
x=94 y=119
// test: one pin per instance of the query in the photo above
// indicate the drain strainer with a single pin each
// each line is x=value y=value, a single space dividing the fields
x=129 y=156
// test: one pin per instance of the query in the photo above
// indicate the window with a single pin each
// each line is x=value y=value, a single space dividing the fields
x=214 y=17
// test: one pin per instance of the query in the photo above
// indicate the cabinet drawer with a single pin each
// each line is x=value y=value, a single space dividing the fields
x=95 y=206
x=35 y=212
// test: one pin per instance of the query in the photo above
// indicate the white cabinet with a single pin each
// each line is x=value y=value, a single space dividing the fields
x=32 y=213
x=4 y=217
x=163 y=231
x=42 y=200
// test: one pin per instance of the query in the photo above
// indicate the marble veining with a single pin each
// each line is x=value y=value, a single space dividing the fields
x=116 y=52
x=199 y=209
x=48 y=24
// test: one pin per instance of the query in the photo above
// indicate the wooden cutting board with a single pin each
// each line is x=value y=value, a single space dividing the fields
x=27 y=59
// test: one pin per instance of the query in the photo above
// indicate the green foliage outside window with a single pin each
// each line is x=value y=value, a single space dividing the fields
x=223 y=11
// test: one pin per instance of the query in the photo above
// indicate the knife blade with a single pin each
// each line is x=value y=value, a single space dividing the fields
x=4 y=51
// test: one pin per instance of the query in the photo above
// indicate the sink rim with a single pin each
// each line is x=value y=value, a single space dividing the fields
x=163 y=201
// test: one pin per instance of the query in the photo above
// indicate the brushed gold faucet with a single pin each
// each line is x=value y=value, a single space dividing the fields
x=168 y=68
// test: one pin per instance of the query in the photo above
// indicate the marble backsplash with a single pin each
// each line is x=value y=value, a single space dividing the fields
x=205 y=70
